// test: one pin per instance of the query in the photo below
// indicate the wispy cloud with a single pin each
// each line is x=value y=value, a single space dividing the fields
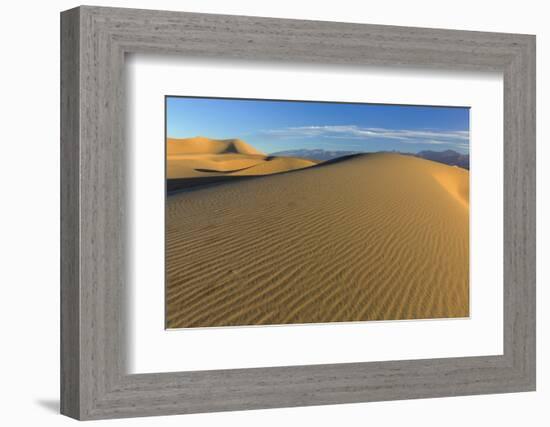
x=409 y=136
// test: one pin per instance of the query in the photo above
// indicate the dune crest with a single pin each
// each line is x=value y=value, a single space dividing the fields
x=276 y=165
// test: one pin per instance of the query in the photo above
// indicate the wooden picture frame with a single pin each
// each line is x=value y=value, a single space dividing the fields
x=94 y=382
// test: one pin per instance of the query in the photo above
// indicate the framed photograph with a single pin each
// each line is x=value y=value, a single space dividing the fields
x=262 y=213
x=359 y=219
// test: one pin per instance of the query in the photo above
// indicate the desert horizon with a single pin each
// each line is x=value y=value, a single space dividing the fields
x=295 y=228
x=190 y=160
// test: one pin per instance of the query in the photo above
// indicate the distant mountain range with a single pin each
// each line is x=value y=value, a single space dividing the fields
x=448 y=157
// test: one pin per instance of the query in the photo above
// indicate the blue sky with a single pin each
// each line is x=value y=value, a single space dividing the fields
x=272 y=126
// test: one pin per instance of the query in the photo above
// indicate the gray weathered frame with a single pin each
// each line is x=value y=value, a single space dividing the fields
x=94 y=41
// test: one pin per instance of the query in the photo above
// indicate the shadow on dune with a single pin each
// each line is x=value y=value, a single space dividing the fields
x=177 y=185
x=342 y=159
x=223 y=172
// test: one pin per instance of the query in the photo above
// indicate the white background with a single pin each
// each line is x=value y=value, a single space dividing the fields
x=29 y=223
x=152 y=349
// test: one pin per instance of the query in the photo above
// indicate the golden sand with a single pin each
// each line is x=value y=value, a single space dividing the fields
x=203 y=157
x=371 y=237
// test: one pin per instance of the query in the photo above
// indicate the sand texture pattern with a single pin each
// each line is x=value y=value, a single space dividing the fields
x=368 y=237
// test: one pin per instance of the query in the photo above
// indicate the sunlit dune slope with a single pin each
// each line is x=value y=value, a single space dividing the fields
x=202 y=145
x=276 y=165
x=203 y=157
x=371 y=237
x=198 y=165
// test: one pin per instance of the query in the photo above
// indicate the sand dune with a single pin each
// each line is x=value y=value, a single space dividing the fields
x=202 y=145
x=457 y=184
x=197 y=165
x=204 y=157
x=371 y=237
x=276 y=165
